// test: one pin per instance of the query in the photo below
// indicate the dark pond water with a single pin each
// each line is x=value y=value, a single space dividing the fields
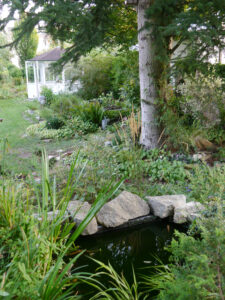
x=139 y=246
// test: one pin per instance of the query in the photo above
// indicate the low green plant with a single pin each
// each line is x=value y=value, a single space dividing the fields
x=41 y=131
x=33 y=105
x=206 y=183
x=81 y=127
x=137 y=163
x=46 y=113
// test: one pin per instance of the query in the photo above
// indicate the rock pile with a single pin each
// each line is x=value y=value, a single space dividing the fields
x=128 y=209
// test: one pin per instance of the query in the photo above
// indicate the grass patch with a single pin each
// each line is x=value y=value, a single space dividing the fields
x=21 y=158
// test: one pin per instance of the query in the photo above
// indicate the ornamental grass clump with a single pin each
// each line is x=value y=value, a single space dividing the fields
x=34 y=248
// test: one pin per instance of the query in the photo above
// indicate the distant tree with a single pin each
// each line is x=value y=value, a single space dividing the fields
x=27 y=46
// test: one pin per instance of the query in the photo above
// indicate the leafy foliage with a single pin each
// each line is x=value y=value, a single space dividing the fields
x=94 y=72
x=27 y=46
x=126 y=76
x=203 y=100
x=34 y=249
x=198 y=262
x=91 y=112
x=54 y=123
x=48 y=94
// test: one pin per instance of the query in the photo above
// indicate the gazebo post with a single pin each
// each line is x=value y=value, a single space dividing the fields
x=36 y=78
x=43 y=72
x=26 y=71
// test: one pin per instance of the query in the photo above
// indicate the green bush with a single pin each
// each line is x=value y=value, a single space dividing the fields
x=115 y=115
x=203 y=100
x=46 y=113
x=54 y=123
x=48 y=94
x=94 y=72
x=76 y=127
x=220 y=71
x=125 y=73
x=198 y=262
x=64 y=104
x=91 y=112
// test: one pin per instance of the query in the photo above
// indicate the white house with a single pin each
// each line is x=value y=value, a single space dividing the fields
x=39 y=74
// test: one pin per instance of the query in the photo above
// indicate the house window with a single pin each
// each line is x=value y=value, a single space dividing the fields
x=30 y=73
x=49 y=74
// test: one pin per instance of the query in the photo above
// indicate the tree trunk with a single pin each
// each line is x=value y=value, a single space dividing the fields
x=148 y=87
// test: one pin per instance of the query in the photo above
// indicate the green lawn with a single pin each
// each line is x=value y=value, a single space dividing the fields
x=21 y=156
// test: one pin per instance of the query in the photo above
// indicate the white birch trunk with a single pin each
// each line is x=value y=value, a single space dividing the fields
x=148 y=90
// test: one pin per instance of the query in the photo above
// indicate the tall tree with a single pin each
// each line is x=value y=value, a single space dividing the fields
x=26 y=47
x=148 y=88
x=86 y=24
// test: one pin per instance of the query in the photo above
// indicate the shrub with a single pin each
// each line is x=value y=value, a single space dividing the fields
x=204 y=100
x=91 y=112
x=64 y=104
x=125 y=73
x=48 y=94
x=94 y=72
x=54 y=123
x=81 y=127
x=198 y=265
x=115 y=115
x=220 y=71
x=46 y=113
x=72 y=127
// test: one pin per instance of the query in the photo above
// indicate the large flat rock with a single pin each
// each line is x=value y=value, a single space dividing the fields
x=164 y=206
x=78 y=210
x=125 y=207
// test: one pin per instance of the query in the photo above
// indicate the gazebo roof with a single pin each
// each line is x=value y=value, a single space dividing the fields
x=52 y=55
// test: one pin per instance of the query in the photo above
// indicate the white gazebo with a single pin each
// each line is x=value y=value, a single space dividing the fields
x=39 y=74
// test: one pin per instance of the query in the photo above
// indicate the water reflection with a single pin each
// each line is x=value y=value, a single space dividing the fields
x=138 y=247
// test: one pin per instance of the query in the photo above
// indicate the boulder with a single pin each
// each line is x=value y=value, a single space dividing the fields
x=125 y=207
x=190 y=212
x=163 y=206
x=78 y=210
x=180 y=215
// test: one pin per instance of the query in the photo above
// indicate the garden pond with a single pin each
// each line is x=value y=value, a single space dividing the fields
x=140 y=246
